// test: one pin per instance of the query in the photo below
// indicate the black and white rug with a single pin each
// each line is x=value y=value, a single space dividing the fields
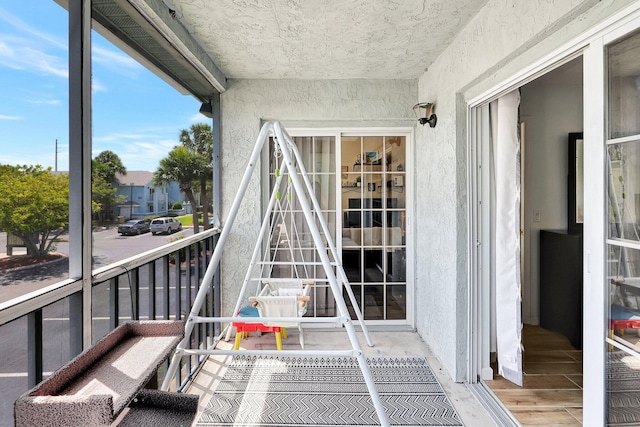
x=623 y=389
x=326 y=391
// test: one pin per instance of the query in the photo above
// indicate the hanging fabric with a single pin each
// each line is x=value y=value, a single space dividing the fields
x=508 y=297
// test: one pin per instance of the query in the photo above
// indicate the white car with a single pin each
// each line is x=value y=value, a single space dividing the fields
x=165 y=225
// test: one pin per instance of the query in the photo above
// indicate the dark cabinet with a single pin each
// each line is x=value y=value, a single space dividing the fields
x=561 y=284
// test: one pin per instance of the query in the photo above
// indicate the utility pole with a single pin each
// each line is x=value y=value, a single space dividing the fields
x=131 y=202
x=56 y=164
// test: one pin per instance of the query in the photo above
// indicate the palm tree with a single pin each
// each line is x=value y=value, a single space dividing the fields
x=184 y=167
x=199 y=139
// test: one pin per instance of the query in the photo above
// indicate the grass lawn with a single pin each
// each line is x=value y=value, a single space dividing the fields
x=185 y=220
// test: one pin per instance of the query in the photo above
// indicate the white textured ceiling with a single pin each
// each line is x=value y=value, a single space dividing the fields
x=324 y=39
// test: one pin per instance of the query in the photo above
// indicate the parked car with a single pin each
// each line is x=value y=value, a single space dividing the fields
x=134 y=226
x=165 y=225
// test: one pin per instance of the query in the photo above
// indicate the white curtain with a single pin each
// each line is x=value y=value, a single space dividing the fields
x=506 y=162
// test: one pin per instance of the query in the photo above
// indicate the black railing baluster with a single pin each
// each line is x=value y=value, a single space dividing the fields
x=120 y=287
x=165 y=287
x=151 y=286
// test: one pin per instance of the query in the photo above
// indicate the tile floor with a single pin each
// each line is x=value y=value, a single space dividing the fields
x=552 y=389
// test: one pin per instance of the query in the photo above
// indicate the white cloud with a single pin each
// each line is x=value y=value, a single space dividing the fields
x=19 y=53
x=28 y=48
x=122 y=136
x=139 y=150
x=45 y=101
x=116 y=61
x=97 y=86
x=197 y=117
x=3 y=117
x=32 y=32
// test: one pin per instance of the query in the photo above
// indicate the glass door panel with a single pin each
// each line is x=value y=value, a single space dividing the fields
x=293 y=243
x=373 y=216
x=374 y=213
x=623 y=231
x=624 y=191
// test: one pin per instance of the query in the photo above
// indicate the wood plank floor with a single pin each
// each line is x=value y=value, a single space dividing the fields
x=552 y=391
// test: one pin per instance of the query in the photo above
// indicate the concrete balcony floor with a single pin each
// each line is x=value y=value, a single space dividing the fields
x=390 y=343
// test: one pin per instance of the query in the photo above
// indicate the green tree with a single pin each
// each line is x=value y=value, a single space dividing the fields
x=104 y=168
x=198 y=139
x=106 y=165
x=34 y=201
x=182 y=166
x=103 y=196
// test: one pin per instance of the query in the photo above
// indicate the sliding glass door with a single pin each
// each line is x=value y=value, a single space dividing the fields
x=622 y=283
x=374 y=208
x=365 y=204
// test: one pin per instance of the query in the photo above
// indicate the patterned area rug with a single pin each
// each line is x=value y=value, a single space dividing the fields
x=326 y=391
x=623 y=375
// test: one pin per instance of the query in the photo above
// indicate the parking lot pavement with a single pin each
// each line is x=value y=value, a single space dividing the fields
x=108 y=247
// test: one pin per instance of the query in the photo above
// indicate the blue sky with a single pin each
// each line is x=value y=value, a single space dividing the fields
x=135 y=114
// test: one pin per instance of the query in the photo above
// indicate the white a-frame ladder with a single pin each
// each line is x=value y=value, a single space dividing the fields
x=291 y=163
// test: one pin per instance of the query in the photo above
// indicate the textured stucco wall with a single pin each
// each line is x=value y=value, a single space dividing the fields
x=505 y=37
x=300 y=103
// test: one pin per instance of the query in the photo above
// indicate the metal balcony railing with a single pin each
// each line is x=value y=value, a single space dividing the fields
x=43 y=330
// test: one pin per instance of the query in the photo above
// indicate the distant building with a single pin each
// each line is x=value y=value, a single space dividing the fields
x=143 y=198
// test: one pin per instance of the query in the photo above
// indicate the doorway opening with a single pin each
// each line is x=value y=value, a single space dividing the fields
x=550 y=265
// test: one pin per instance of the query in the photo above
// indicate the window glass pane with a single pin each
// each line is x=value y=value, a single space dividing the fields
x=624 y=87
x=396 y=302
x=34 y=140
x=373 y=268
x=395 y=149
x=351 y=262
x=623 y=374
x=14 y=366
x=100 y=311
x=324 y=186
x=56 y=348
x=323 y=302
x=395 y=188
x=396 y=265
x=374 y=306
x=351 y=151
x=325 y=154
x=624 y=191
x=373 y=150
x=357 y=293
x=305 y=146
x=623 y=367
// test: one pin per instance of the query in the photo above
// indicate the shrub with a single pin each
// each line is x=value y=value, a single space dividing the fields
x=177 y=205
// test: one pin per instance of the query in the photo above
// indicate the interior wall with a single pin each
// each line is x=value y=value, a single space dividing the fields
x=550 y=107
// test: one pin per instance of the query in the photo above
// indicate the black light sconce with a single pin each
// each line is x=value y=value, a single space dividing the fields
x=424 y=113
x=206 y=109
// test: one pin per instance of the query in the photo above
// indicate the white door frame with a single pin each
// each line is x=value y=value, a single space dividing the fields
x=590 y=44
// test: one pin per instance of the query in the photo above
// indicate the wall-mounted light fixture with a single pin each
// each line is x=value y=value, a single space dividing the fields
x=206 y=109
x=424 y=113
